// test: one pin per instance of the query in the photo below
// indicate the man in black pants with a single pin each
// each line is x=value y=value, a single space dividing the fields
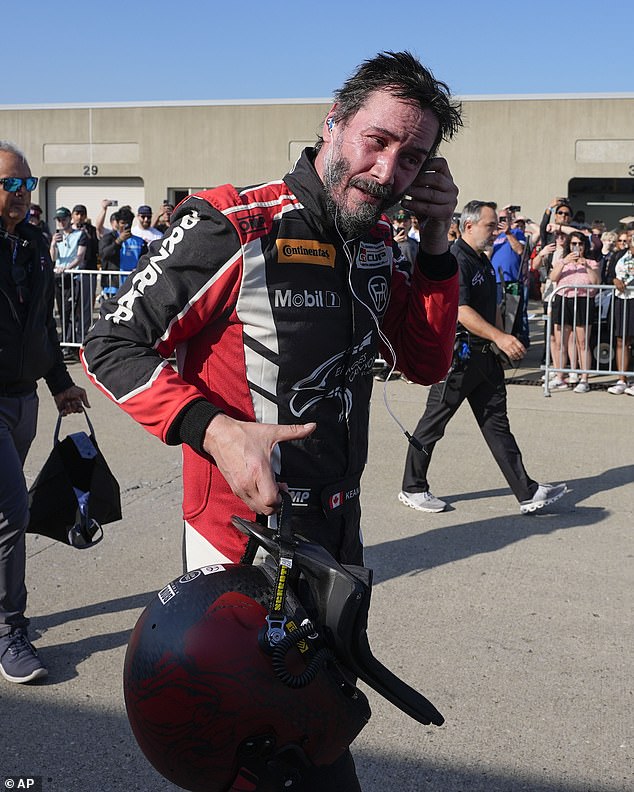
x=29 y=351
x=476 y=375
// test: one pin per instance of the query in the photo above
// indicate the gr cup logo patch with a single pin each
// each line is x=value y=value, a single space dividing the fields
x=305 y=251
x=371 y=255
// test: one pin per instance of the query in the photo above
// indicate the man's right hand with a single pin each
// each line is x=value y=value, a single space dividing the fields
x=511 y=346
x=242 y=451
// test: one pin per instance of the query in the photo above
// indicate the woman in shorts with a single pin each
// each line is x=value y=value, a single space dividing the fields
x=577 y=312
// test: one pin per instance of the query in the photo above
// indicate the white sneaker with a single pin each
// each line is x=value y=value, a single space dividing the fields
x=582 y=387
x=558 y=384
x=545 y=494
x=422 y=501
x=629 y=390
x=573 y=378
x=619 y=388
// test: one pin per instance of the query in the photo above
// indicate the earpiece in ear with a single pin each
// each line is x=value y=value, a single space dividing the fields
x=330 y=122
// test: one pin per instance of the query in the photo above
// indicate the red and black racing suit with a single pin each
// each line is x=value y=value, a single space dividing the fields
x=273 y=320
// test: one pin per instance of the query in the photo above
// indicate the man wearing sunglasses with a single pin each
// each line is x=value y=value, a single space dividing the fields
x=29 y=351
x=557 y=217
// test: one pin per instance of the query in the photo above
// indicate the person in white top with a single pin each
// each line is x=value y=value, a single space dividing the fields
x=142 y=226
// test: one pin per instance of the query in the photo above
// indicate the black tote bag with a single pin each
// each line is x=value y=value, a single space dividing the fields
x=75 y=493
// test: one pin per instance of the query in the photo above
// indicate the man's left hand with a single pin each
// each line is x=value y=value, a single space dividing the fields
x=432 y=197
x=72 y=400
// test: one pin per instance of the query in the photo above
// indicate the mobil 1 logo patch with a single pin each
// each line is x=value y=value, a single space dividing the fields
x=306 y=298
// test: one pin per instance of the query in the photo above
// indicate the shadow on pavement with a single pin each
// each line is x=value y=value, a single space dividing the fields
x=78 y=748
x=438 y=546
x=132 y=601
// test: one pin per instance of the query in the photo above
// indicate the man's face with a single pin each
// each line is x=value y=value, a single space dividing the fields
x=404 y=223
x=123 y=225
x=479 y=235
x=372 y=160
x=13 y=206
x=144 y=220
x=563 y=215
x=78 y=219
x=63 y=223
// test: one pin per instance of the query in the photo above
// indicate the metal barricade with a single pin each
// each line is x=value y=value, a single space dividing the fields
x=596 y=329
x=78 y=294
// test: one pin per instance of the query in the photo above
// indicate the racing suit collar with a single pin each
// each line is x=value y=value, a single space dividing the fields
x=309 y=188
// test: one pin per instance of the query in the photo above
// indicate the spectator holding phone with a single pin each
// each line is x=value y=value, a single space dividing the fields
x=577 y=310
x=100 y=220
x=163 y=217
x=120 y=249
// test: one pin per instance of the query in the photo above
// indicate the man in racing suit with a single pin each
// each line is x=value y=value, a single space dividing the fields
x=272 y=297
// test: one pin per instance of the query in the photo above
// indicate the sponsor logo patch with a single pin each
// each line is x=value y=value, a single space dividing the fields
x=149 y=275
x=211 y=570
x=166 y=594
x=315 y=298
x=377 y=286
x=371 y=256
x=189 y=576
x=299 y=496
x=305 y=251
x=250 y=223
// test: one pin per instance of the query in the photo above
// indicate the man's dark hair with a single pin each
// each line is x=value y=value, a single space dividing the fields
x=405 y=77
x=125 y=214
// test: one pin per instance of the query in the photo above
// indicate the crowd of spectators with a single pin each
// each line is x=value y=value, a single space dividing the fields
x=560 y=253
x=530 y=259
x=76 y=243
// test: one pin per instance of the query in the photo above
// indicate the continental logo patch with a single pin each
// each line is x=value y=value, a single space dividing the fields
x=305 y=251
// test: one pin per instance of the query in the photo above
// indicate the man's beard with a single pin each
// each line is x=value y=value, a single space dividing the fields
x=354 y=222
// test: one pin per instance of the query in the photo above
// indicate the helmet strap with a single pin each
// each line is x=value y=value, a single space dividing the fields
x=276 y=619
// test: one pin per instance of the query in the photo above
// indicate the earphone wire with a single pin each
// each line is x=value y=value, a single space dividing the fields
x=382 y=336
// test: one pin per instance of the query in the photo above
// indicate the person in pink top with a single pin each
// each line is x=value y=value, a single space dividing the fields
x=575 y=308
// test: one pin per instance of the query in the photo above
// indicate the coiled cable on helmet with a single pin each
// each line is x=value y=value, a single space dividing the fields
x=313 y=667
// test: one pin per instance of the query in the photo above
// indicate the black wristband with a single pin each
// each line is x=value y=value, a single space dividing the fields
x=191 y=424
x=441 y=267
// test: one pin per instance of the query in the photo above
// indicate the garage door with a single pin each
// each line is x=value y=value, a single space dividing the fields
x=91 y=192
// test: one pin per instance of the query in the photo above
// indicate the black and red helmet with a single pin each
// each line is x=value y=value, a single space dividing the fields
x=203 y=699
x=216 y=703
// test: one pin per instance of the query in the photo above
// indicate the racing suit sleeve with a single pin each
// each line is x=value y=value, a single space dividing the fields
x=420 y=321
x=181 y=287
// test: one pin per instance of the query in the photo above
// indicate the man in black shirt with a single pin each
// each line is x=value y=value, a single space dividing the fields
x=476 y=375
x=29 y=351
x=86 y=283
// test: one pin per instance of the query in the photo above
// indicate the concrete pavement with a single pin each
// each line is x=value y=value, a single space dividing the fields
x=517 y=627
